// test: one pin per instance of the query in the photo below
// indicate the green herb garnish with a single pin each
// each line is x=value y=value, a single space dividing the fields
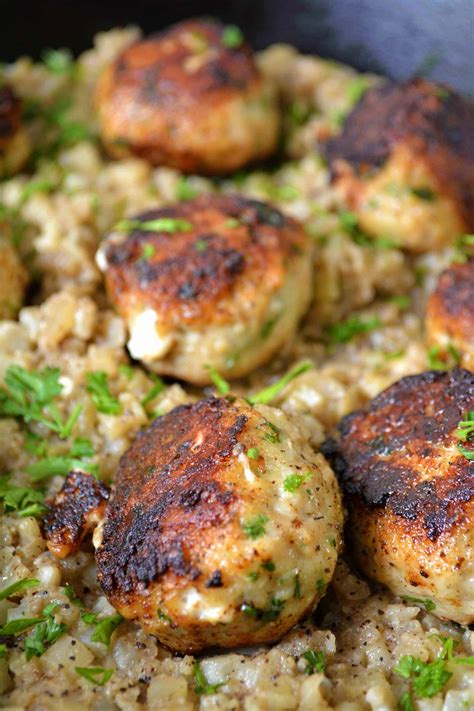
x=148 y=251
x=105 y=628
x=201 y=685
x=154 y=391
x=96 y=675
x=59 y=61
x=184 y=190
x=426 y=679
x=357 y=88
x=263 y=397
x=428 y=604
x=439 y=359
x=465 y=434
x=316 y=662
x=232 y=37
x=255 y=527
x=293 y=482
x=19 y=625
x=161 y=224
x=45 y=633
x=253 y=453
x=71 y=595
x=97 y=385
x=222 y=386
x=424 y=194
x=354 y=326
x=19 y=586
x=22 y=500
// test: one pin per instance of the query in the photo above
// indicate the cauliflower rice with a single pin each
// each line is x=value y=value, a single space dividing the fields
x=56 y=218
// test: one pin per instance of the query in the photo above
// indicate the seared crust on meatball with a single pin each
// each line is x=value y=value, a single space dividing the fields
x=14 y=144
x=74 y=512
x=450 y=312
x=226 y=289
x=404 y=163
x=410 y=490
x=183 y=98
x=202 y=544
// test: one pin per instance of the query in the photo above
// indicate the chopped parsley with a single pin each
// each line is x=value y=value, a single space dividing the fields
x=19 y=586
x=77 y=458
x=148 y=251
x=464 y=248
x=36 y=186
x=292 y=482
x=201 y=245
x=315 y=662
x=96 y=675
x=354 y=326
x=255 y=527
x=268 y=615
x=154 y=391
x=297 y=113
x=161 y=224
x=403 y=302
x=71 y=595
x=232 y=222
x=19 y=625
x=44 y=634
x=320 y=585
x=253 y=453
x=273 y=435
x=184 y=190
x=428 y=604
x=350 y=224
x=105 y=628
x=465 y=434
x=269 y=565
x=98 y=387
x=3 y=650
x=59 y=61
x=263 y=397
x=221 y=385
x=30 y=395
x=126 y=370
x=356 y=89
x=426 y=678
x=439 y=359
x=201 y=685
x=232 y=37
x=162 y=616
x=268 y=327
x=22 y=500
x=424 y=194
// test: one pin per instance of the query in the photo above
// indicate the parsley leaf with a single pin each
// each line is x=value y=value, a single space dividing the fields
x=201 y=685
x=255 y=527
x=154 y=391
x=439 y=359
x=71 y=595
x=465 y=433
x=427 y=678
x=316 y=662
x=222 y=386
x=428 y=604
x=105 y=628
x=96 y=675
x=58 y=61
x=253 y=453
x=232 y=37
x=19 y=625
x=293 y=482
x=161 y=224
x=18 y=587
x=354 y=326
x=263 y=397
x=22 y=500
x=184 y=190
x=44 y=634
x=97 y=385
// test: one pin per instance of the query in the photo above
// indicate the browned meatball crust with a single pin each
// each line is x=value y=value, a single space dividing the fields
x=226 y=289
x=417 y=136
x=450 y=312
x=183 y=98
x=410 y=489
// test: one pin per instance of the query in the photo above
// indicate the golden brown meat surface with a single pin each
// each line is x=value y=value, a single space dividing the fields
x=404 y=163
x=410 y=490
x=226 y=288
x=190 y=97
x=223 y=528
x=14 y=143
x=74 y=512
x=450 y=312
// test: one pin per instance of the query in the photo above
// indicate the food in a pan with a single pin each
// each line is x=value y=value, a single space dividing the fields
x=214 y=283
x=404 y=163
x=410 y=489
x=236 y=387
x=190 y=97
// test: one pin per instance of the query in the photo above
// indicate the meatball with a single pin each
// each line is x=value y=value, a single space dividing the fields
x=190 y=97
x=14 y=142
x=223 y=528
x=13 y=280
x=450 y=312
x=404 y=163
x=409 y=486
x=216 y=281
